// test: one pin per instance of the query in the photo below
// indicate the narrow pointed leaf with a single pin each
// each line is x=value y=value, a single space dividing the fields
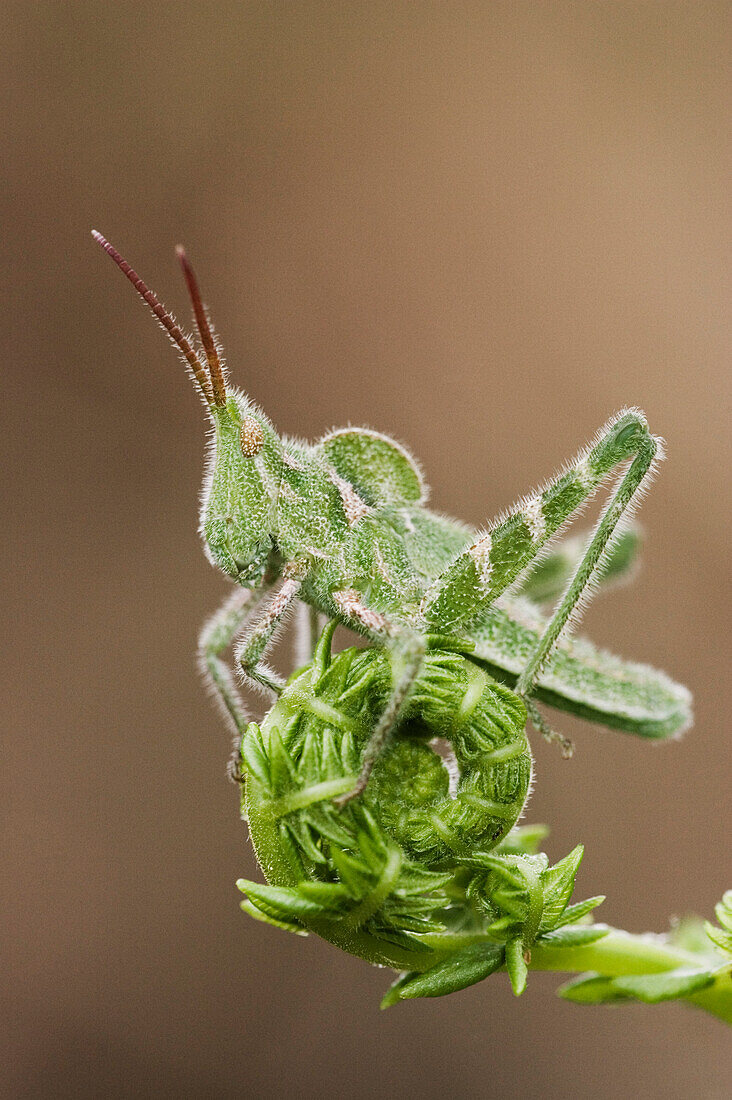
x=353 y=875
x=575 y=935
x=558 y=884
x=301 y=834
x=574 y=913
x=523 y=839
x=285 y=903
x=258 y=914
x=391 y=997
x=332 y=766
x=329 y=895
x=722 y=940
x=253 y=755
x=591 y=989
x=516 y=965
x=667 y=986
x=723 y=911
x=401 y=939
x=282 y=768
x=464 y=968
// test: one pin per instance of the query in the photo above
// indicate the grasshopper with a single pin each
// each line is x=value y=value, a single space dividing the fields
x=341 y=527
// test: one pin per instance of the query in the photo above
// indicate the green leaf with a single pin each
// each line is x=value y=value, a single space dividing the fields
x=574 y=913
x=301 y=834
x=309 y=763
x=285 y=903
x=415 y=880
x=350 y=759
x=410 y=923
x=591 y=989
x=722 y=940
x=523 y=840
x=322 y=819
x=281 y=765
x=558 y=884
x=669 y=985
x=466 y=967
x=723 y=910
x=331 y=758
x=666 y=986
x=352 y=873
x=401 y=939
x=253 y=755
x=516 y=965
x=722 y=937
x=575 y=935
x=329 y=895
x=392 y=995
x=287 y=926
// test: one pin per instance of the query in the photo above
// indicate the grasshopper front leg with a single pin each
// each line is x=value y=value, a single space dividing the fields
x=216 y=636
x=407 y=649
x=252 y=646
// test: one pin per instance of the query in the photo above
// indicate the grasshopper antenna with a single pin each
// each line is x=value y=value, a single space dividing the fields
x=218 y=382
x=166 y=320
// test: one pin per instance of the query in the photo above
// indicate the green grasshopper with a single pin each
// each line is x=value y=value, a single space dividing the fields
x=341 y=526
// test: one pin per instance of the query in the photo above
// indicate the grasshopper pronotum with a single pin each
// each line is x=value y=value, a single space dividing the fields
x=342 y=527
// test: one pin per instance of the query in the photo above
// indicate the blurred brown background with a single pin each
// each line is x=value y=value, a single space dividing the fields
x=480 y=227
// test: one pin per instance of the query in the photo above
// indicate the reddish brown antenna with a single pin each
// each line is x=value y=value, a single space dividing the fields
x=218 y=382
x=166 y=320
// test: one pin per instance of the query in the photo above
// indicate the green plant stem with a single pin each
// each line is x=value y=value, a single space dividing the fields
x=621 y=953
x=617 y=954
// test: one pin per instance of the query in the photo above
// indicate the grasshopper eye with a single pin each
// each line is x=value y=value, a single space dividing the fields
x=251 y=437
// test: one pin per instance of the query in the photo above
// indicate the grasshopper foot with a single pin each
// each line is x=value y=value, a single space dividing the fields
x=233 y=768
x=357 y=790
x=550 y=735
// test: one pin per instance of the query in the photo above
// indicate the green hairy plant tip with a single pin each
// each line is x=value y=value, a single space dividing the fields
x=384 y=786
x=722 y=937
x=427 y=871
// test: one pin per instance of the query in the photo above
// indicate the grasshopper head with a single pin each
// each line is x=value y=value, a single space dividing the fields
x=238 y=511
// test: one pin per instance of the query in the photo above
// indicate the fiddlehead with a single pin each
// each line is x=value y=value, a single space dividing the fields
x=398 y=875
x=427 y=872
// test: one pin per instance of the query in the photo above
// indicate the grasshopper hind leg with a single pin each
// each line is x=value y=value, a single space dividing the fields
x=550 y=735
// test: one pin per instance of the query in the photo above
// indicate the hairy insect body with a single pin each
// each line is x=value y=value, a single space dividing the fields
x=366 y=834
x=342 y=525
x=289 y=504
x=356 y=519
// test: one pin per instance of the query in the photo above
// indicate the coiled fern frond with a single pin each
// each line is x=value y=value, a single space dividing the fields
x=428 y=872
